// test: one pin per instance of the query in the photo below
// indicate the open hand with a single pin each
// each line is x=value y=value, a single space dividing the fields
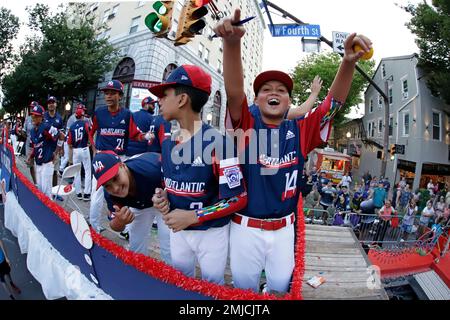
x=316 y=85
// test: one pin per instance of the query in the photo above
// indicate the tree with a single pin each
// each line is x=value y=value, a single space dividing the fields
x=431 y=25
x=9 y=28
x=326 y=66
x=65 y=60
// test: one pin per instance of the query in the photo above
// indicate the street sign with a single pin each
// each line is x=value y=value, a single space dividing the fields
x=295 y=30
x=338 y=41
x=400 y=148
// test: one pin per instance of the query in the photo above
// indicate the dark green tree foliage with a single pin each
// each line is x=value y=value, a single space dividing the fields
x=326 y=66
x=66 y=59
x=9 y=28
x=431 y=25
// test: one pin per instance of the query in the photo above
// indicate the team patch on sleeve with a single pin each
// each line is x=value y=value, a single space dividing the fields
x=230 y=173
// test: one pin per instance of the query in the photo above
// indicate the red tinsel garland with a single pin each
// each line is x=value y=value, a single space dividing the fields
x=154 y=268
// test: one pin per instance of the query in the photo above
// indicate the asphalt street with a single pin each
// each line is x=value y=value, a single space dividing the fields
x=30 y=287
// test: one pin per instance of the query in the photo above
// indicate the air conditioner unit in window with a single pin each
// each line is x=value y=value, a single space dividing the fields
x=405 y=95
x=112 y=15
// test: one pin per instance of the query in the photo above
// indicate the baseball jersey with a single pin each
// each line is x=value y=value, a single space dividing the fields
x=56 y=122
x=204 y=177
x=78 y=134
x=144 y=121
x=146 y=170
x=113 y=129
x=42 y=141
x=272 y=171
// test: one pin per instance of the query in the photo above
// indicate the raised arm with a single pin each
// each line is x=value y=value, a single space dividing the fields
x=343 y=80
x=233 y=73
x=306 y=106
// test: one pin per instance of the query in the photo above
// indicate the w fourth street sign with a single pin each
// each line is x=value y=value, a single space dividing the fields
x=295 y=30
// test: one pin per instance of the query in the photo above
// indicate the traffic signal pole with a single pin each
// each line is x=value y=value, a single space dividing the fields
x=383 y=93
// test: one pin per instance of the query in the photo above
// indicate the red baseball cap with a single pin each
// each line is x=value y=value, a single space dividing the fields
x=187 y=75
x=272 y=75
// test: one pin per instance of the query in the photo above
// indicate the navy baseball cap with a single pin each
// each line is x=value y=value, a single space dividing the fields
x=147 y=100
x=187 y=75
x=115 y=85
x=272 y=75
x=105 y=166
x=51 y=98
x=37 y=110
x=33 y=103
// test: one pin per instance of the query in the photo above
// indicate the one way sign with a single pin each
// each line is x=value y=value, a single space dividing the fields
x=338 y=41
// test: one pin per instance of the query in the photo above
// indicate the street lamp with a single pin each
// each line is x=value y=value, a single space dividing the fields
x=349 y=135
x=209 y=118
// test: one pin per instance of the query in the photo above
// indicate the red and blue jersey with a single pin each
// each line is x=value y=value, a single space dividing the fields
x=160 y=128
x=273 y=169
x=42 y=140
x=78 y=136
x=113 y=130
x=57 y=122
x=199 y=173
x=144 y=121
x=146 y=171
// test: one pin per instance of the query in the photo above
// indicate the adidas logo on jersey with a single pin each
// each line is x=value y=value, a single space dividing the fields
x=198 y=162
x=122 y=122
x=290 y=135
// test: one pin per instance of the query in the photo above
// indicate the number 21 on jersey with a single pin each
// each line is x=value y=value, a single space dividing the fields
x=291 y=185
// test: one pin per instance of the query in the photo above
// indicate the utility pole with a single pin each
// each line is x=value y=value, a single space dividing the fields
x=386 y=129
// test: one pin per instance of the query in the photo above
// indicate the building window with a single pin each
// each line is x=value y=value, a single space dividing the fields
x=105 y=16
x=391 y=127
x=383 y=71
x=436 y=126
x=201 y=47
x=391 y=99
x=206 y=55
x=380 y=125
x=371 y=106
x=219 y=66
x=406 y=124
x=405 y=89
x=114 y=11
x=380 y=101
x=168 y=70
x=134 y=24
x=216 y=109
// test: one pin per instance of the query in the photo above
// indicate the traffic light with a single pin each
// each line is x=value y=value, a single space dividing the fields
x=191 y=22
x=159 y=22
x=392 y=151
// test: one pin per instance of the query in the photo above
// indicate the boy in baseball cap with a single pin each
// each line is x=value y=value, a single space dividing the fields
x=206 y=187
x=129 y=186
x=273 y=249
x=42 y=138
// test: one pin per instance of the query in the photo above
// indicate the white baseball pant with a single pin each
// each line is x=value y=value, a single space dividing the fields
x=65 y=158
x=140 y=229
x=208 y=247
x=14 y=141
x=82 y=155
x=253 y=250
x=96 y=205
x=44 y=177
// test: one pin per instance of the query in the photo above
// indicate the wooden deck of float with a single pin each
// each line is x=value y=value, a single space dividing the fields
x=331 y=252
x=335 y=254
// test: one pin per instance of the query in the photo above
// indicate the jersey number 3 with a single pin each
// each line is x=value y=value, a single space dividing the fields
x=291 y=185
